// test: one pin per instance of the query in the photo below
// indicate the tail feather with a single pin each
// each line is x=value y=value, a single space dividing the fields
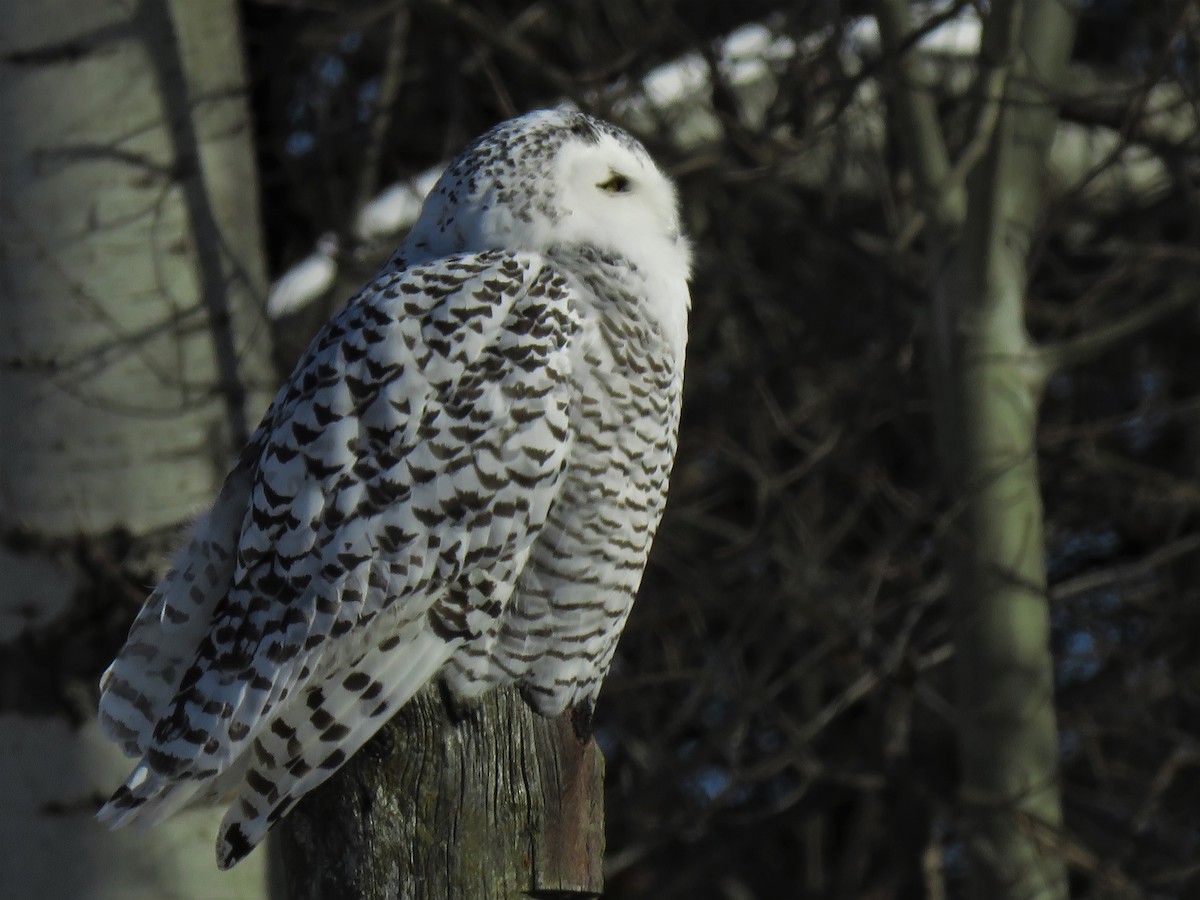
x=138 y=686
x=316 y=733
x=222 y=711
x=221 y=708
x=182 y=759
x=162 y=799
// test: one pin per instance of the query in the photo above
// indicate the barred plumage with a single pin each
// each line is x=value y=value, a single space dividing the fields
x=461 y=479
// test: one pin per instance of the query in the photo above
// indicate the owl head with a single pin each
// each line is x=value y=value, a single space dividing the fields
x=555 y=178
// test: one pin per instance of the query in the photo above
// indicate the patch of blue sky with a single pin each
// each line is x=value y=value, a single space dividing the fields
x=368 y=97
x=330 y=69
x=300 y=143
x=1066 y=555
x=1068 y=743
x=707 y=783
x=1080 y=659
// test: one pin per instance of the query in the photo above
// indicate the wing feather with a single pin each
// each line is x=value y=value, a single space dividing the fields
x=401 y=476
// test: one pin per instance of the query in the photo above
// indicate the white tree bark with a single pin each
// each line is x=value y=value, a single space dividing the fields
x=987 y=383
x=132 y=360
x=120 y=259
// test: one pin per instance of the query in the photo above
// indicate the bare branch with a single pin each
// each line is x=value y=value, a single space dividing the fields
x=919 y=126
x=389 y=90
x=510 y=44
x=945 y=199
x=1116 y=575
x=1061 y=355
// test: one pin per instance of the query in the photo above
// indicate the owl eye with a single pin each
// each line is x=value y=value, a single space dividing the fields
x=616 y=184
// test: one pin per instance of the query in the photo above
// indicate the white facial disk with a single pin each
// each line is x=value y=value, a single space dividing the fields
x=556 y=177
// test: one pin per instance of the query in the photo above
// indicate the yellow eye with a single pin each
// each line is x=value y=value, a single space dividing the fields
x=616 y=184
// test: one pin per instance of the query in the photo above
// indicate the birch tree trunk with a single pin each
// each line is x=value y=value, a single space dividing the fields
x=989 y=386
x=987 y=378
x=492 y=804
x=132 y=361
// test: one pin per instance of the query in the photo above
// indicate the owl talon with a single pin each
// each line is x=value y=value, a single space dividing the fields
x=581 y=720
x=458 y=709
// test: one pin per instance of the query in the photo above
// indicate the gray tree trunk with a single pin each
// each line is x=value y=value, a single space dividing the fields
x=492 y=803
x=131 y=364
x=989 y=383
x=987 y=378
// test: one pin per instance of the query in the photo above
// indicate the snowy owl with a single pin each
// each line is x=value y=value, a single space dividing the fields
x=460 y=480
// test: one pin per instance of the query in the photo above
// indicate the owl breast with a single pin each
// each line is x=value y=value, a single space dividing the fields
x=558 y=636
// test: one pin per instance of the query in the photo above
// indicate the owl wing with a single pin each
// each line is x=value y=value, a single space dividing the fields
x=378 y=519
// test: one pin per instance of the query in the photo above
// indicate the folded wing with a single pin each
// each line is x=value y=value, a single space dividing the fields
x=377 y=521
